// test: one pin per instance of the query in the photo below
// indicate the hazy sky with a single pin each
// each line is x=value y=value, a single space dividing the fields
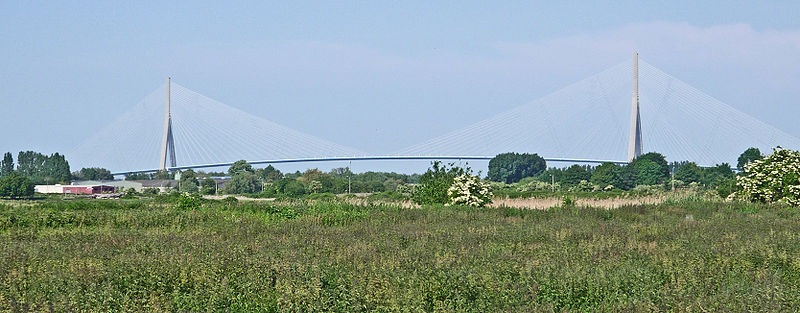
x=375 y=75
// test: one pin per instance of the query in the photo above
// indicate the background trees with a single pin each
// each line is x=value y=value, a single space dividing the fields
x=605 y=174
x=7 y=165
x=15 y=186
x=512 y=167
x=433 y=185
x=748 y=156
x=43 y=169
x=93 y=173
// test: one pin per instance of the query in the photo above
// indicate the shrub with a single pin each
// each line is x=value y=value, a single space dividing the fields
x=15 y=186
x=773 y=179
x=189 y=201
x=512 y=167
x=469 y=190
x=433 y=185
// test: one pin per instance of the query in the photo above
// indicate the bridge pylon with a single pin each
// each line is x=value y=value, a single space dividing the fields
x=168 y=144
x=635 y=141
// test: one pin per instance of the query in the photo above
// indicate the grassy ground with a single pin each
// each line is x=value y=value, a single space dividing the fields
x=141 y=255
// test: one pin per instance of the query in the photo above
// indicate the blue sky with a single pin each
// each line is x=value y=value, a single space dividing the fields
x=378 y=76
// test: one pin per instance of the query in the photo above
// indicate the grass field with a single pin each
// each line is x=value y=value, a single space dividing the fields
x=144 y=255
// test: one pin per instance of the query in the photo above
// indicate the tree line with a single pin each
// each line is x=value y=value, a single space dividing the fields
x=646 y=170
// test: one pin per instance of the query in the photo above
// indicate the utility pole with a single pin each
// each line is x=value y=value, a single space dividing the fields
x=349 y=174
x=553 y=183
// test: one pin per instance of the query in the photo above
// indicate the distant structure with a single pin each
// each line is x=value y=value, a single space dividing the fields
x=635 y=142
x=168 y=146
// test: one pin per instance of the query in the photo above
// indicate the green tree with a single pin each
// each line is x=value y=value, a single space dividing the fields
x=93 y=173
x=240 y=166
x=689 y=173
x=574 y=174
x=7 y=165
x=188 y=182
x=748 y=156
x=713 y=176
x=208 y=186
x=625 y=177
x=294 y=188
x=15 y=186
x=605 y=174
x=433 y=185
x=269 y=174
x=648 y=173
x=512 y=167
x=243 y=182
x=659 y=174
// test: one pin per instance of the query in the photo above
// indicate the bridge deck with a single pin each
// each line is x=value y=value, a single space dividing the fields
x=364 y=158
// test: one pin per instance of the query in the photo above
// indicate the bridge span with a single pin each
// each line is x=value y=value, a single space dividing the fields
x=365 y=158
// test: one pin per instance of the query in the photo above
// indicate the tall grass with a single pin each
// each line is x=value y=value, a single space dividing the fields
x=139 y=255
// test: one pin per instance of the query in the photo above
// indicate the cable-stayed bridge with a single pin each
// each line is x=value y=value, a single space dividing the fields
x=598 y=119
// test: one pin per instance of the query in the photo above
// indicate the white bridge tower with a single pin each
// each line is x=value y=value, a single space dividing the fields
x=168 y=144
x=635 y=142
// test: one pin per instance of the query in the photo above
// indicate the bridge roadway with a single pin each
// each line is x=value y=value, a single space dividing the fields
x=364 y=158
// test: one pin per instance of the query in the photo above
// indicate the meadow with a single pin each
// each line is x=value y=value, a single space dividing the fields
x=152 y=255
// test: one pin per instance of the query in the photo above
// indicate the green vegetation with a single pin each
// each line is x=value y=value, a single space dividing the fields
x=513 y=167
x=186 y=254
x=773 y=179
x=15 y=186
x=749 y=155
x=43 y=169
x=433 y=185
x=93 y=173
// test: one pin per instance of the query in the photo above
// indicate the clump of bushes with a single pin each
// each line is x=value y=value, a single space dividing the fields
x=469 y=190
x=450 y=184
x=773 y=179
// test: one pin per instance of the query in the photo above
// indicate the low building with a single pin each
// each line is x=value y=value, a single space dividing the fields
x=117 y=184
x=88 y=190
x=74 y=189
x=58 y=188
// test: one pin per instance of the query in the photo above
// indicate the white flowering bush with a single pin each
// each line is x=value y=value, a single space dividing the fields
x=469 y=190
x=773 y=179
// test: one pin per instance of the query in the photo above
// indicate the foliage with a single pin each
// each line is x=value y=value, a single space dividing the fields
x=689 y=173
x=240 y=167
x=651 y=174
x=93 y=173
x=15 y=186
x=243 y=182
x=775 y=178
x=7 y=165
x=294 y=188
x=604 y=174
x=189 y=201
x=469 y=190
x=512 y=167
x=245 y=256
x=574 y=174
x=43 y=169
x=208 y=186
x=433 y=185
x=648 y=173
x=314 y=186
x=748 y=156
x=188 y=182
x=269 y=174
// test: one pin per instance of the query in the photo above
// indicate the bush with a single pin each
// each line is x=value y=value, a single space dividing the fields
x=15 y=186
x=433 y=185
x=773 y=179
x=512 y=167
x=189 y=201
x=469 y=190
